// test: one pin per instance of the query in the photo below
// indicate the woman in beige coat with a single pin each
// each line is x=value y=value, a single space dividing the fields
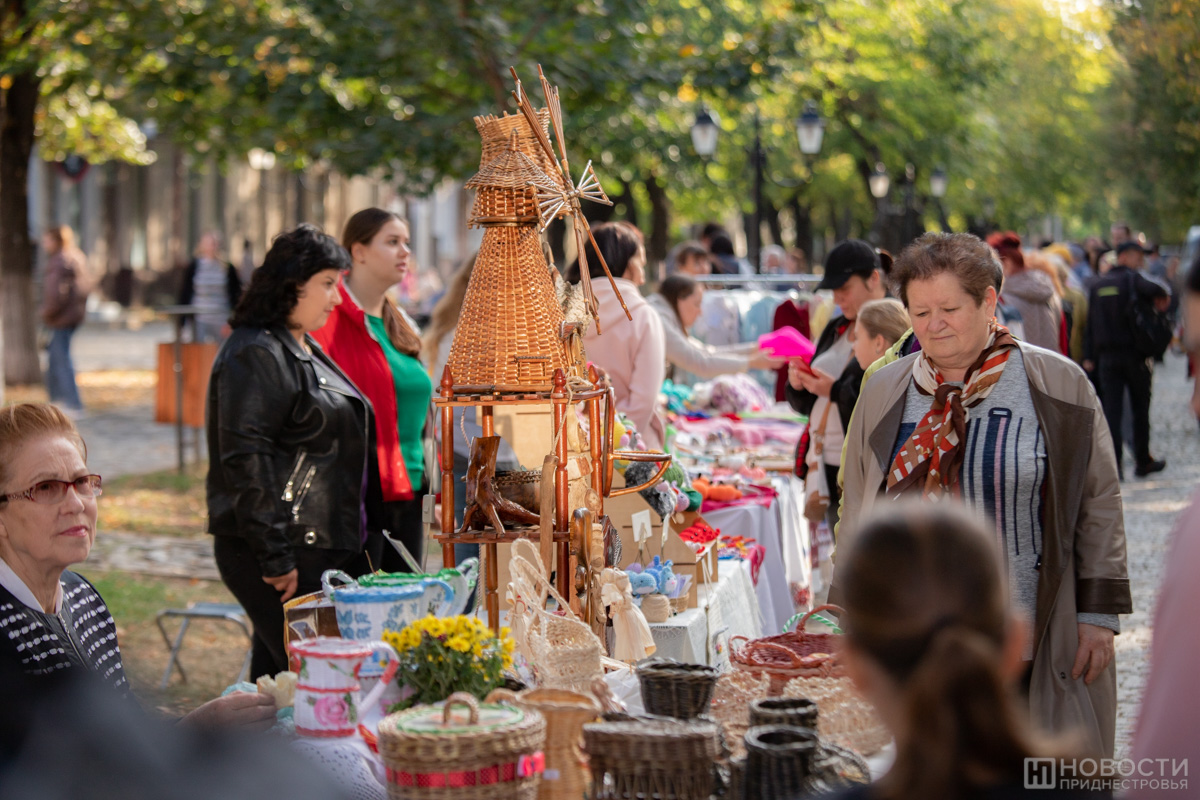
x=1017 y=433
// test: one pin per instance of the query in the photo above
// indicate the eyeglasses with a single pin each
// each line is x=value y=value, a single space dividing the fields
x=51 y=492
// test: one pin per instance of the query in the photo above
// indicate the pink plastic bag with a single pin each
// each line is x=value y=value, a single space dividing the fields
x=787 y=342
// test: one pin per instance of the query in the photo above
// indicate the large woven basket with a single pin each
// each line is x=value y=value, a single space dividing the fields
x=652 y=759
x=730 y=706
x=463 y=751
x=788 y=655
x=672 y=689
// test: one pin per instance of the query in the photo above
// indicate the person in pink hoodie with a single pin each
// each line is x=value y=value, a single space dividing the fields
x=633 y=353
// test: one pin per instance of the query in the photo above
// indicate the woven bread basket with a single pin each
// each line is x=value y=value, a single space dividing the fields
x=673 y=689
x=463 y=751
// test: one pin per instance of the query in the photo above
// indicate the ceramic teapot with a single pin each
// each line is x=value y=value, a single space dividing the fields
x=461 y=579
x=328 y=701
x=365 y=612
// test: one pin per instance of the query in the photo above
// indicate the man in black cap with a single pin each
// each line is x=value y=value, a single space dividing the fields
x=827 y=390
x=1121 y=308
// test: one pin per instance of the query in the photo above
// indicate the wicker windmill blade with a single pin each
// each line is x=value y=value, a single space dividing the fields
x=564 y=199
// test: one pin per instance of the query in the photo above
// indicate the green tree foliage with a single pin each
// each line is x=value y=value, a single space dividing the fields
x=1155 y=115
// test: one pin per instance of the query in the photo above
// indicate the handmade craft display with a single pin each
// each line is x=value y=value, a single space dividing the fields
x=514 y=346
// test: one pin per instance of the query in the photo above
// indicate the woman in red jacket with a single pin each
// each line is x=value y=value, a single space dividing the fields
x=374 y=343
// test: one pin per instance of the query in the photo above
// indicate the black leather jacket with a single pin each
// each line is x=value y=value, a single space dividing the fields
x=291 y=444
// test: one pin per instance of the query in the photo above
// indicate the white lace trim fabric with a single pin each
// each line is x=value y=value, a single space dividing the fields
x=349 y=762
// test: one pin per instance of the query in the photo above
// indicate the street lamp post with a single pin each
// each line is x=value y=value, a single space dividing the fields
x=810 y=132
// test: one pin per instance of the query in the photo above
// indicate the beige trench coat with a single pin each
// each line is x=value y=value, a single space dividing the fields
x=1083 y=550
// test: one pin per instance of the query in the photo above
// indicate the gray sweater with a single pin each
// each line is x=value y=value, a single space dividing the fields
x=1003 y=476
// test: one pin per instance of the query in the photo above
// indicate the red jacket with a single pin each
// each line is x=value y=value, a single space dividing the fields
x=349 y=343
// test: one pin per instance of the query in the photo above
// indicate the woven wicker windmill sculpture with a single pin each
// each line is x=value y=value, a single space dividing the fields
x=510 y=345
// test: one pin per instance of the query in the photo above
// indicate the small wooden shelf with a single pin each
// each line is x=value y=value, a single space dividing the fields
x=492 y=537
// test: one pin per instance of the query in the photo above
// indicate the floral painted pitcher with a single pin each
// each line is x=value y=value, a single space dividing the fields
x=327 y=690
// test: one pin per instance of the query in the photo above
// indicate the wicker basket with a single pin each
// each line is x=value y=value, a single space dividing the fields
x=565 y=653
x=797 y=712
x=489 y=752
x=652 y=758
x=788 y=655
x=566 y=713
x=730 y=706
x=672 y=689
x=779 y=762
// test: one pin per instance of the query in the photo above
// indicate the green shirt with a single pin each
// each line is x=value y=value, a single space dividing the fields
x=414 y=390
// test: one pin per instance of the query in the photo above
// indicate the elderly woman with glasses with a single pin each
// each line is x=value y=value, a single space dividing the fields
x=53 y=620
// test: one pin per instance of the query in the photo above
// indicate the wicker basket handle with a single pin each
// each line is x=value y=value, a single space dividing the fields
x=461 y=699
x=746 y=653
x=803 y=618
x=502 y=696
x=543 y=584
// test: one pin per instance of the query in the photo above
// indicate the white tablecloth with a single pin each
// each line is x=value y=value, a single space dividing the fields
x=781 y=529
x=728 y=607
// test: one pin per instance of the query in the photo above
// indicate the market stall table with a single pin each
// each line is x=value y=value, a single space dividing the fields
x=780 y=528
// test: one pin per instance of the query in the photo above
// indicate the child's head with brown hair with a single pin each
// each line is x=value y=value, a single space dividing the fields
x=932 y=642
x=880 y=325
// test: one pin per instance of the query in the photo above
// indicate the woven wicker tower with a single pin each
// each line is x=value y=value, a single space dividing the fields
x=512 y=348
x=509 y=334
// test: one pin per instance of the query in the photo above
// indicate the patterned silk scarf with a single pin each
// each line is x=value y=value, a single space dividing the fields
x=932 y=457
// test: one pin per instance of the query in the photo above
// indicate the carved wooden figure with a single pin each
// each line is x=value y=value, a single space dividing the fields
x=484 y=504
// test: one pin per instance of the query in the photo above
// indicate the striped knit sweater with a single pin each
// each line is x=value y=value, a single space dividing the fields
x=82 y=635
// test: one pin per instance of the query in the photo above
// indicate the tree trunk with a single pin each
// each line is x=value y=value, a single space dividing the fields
x=660 y=220
x=17 y=307
x=802 y=219
x=627 y=205
x=773 y=223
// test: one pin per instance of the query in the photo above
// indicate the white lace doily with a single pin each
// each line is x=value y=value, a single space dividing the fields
x=349 y=762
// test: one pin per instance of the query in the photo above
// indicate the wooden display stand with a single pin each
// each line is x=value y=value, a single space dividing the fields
x=569 y=550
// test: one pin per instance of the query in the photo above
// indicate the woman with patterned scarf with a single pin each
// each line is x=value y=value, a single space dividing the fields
x=1016 y=433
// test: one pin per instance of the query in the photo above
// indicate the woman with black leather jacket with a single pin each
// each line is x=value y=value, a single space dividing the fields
x=292 y=474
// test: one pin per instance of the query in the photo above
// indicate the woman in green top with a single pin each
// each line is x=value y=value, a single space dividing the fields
x=377 y=345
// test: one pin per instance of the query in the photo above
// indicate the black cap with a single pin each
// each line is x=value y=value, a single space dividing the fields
x=1130 y=245
x=851 y=257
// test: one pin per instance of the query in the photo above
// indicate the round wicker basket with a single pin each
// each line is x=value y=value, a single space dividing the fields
x=463 y=751
x=652 y=758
